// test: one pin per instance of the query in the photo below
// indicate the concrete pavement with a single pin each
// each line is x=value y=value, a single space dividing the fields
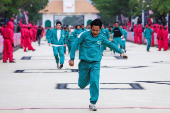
x=140 y=84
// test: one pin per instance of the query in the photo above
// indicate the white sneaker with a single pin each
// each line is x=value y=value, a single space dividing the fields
x=92 y=107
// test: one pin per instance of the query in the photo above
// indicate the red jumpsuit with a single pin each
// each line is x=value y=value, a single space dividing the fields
x=8 y=42
x=140 y=33
x=152 y=39
x=157 y=31
x=34 y=30
x=166 y=39
x=28 y=35
x=2 y=29
x=161 y=37
x=22 y=36
x=135 y=34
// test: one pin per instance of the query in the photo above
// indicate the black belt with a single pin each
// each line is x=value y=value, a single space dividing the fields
x=6 y=38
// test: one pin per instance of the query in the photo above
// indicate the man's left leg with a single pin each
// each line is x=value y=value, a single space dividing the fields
x=94 y=82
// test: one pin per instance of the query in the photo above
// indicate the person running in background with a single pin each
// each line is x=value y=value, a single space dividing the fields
x=58 y=41
x=124 y=38
x=82 y=28
x=117 y=34
x=66 y=35
x=106 y=34
x=71 y=39
x=148 y=35
x=90 y=57
x=48 y=32
x=77 y=32
x=39 y=32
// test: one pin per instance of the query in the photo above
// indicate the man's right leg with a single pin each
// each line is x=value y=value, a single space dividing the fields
x=84 y=74
x=55 y=50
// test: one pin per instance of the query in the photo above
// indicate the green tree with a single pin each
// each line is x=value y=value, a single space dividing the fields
x=10 y=7
x=33 y=7
x=159 y=7
x=109 y=9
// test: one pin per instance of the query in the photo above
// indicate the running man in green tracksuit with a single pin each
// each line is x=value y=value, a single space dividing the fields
x=148 y=35
x=90 y=57
x=124 y=38
x=58 y=42
x=106 y=34
x=71 y=39
x=117 y=33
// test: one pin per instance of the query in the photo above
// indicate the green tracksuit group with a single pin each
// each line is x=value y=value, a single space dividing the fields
x=55 y=42
x=90 y=56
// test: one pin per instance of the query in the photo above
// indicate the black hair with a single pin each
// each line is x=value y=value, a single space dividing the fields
x=77 y=26
x=39 y=26
x=96 y=22
x=116 y=22
x=48 y=26
x=66 y=25
x=58 y=23
x=149 y=25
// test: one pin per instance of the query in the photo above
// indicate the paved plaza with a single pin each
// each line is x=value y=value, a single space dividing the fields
x=140 y=84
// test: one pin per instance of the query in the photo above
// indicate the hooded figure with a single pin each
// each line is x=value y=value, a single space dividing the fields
x=166 y=40
x=8 y=43
x=161 y=37
x=140 y=34
x=152 y=39
x=135 y=34
x=22 y=37
x=28 y=35
x=34 y=31
x=157 y=31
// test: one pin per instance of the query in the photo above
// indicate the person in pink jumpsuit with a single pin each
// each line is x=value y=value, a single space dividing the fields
x=8 y=42
x=34 y=30
x=166 y=39
x=157 y=31
x=22 y=37
x=140 y=34
x=135 y=34
x=152 y=39
x=161 y=37
x=28 y=35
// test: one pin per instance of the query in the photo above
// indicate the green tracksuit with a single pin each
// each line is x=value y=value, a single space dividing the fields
x=71 y=39
x=105 y=33
x=148 y=35
x=124 y=41
x=48 y=32
x=82 y=30
x=66 y=35
x=76 y=33
x=90 y=56
x=58 y=50
x=117 y=36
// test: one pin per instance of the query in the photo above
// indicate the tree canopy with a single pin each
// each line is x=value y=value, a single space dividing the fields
x=11 y=8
